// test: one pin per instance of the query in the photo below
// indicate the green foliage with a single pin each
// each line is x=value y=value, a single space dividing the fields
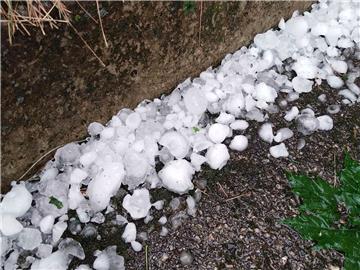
x=195 y=129
x=56 y=202
x=320 y=219
x=77 y=18
x=189 y=6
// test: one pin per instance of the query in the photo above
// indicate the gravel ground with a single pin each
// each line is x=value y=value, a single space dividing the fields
x=238 y=221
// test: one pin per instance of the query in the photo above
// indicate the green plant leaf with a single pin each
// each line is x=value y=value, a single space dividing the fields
x=56 y=202
x=189 y=6
x=195 y=129
x=319 y=218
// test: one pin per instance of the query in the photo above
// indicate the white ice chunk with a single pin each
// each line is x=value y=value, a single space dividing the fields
x=95 y=128
x=195 y=101
x=339 y=66
x=266 y=132
x=16 y=202
x=67 y=154
x=279 y=151
x=305 y=68
x=44 y=250
x=334 y=81
x=197 y=160
x=9 y=225
x=57 y=260
x=283 y=134
x=29 y=238
x=322 y=98
x=346 y=93
x=136 y=246
x=176 y=176
x=83 y=267
x=129 y=233
x=176 y=143
x=191 y=206
x=107 y=133
x=88 y=158
x=138 y=204
x=265 y=93
x=307 y=124
x=239 y=143
x=267 y=40
x=239 y=125
x=75 y=196
x=297 y=26
x=218 y=132
x=290 y=115
x=133 y=120
x=325 y=122
x=217 y=156
x=136 y=167
x=225 y=118
x=105 y=185
x=302 y=85
x=108 y=259
x=162 y=220
x=333 y=35
x=58 y=230
x=319 y=29
x=77 y=175
x=46 y=224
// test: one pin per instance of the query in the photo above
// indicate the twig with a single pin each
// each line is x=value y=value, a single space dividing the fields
x=101 y=25
x=43 y=156
x=146 y=258
x=201 y=12
x=222 y=189
x=88 y=13
x=237 y=196
x=87 y=45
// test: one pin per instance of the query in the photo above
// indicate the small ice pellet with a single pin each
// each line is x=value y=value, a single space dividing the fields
x=162 y=220
x=322 y=98
x=279 y=151
x=333 y=109
x=290 y=115
x=239 y=143
x=239 y=125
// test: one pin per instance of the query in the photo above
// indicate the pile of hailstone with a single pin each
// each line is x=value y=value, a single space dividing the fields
x=176 y=132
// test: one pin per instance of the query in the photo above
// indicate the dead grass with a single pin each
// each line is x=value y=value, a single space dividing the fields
x=22 y=15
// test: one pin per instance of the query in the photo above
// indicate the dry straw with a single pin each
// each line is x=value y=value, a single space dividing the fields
x=21 y=15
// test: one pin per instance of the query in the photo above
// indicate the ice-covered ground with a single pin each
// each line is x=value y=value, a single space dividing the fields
x=179 y=134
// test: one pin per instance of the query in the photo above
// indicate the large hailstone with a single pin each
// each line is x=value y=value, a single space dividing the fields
x=305 y=68
x=267 y=40
x=218 y=132
x=239 y=143
x=279 y=150
x=29 y=238
x=9 y=225
x=176 y=143
x=176 y=176
x=138 y=204
x=16 y=202
x=265 y=93
x=217 y=156
x=195 y=101
x=266 y=132
x=301 y=85
x=105 y=185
